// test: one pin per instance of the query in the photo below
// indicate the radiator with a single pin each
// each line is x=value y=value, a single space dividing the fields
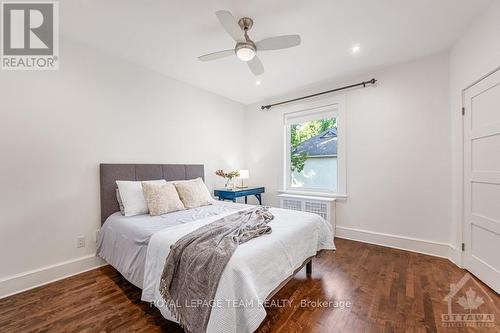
x=323 y=206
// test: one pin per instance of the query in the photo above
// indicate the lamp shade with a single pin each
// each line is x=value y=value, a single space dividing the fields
x=243 y=174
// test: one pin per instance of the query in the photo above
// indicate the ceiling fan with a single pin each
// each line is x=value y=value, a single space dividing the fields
x=245 y=48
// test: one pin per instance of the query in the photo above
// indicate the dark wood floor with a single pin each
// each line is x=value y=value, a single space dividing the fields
x=390 y=291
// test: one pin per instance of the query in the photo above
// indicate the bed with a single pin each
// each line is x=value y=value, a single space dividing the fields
x=138 y=246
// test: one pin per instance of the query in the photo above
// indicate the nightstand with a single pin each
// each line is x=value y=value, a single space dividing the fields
x=234 y=193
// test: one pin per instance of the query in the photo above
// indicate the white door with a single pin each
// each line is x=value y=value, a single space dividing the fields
x=482 y=180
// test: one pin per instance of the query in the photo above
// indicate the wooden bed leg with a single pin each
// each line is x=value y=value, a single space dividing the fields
x=309 y=267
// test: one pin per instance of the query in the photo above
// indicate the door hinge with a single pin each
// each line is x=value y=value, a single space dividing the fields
x=463 y=111
x=463 y=246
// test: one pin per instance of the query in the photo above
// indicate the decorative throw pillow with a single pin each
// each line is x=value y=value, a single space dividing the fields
x=132 y=196
x=120 y=202
x=194 y=193
x=161 y=199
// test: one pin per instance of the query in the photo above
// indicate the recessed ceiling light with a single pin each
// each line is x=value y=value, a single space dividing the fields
x=356 y=49
x=257 y=83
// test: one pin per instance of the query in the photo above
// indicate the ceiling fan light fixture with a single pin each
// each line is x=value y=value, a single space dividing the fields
x=245 y=51
x=246 y=48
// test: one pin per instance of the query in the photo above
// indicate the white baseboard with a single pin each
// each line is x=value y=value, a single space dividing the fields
x=399 y=242
x=455 y=255
x=28 y=280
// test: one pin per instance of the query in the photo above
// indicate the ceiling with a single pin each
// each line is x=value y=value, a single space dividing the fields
x=167 y=36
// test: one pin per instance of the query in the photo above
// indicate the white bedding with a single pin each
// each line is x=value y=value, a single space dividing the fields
x=254 y=271
x=123 y=241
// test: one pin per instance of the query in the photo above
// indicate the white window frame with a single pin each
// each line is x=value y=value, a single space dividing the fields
x=333 y=106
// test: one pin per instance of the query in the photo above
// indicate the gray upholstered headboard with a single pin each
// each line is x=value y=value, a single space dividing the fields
x=110 y=173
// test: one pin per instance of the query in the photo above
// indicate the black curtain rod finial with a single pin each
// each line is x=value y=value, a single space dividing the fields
x=364 y=83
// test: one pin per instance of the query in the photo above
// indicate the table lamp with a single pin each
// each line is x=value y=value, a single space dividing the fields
x=243 y=175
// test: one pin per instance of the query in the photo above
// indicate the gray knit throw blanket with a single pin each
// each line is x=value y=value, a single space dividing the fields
x=195 y=264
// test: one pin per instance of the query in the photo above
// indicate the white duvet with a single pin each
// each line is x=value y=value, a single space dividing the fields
x=254 y=271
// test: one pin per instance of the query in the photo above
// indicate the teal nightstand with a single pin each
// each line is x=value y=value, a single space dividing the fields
x=233 y=194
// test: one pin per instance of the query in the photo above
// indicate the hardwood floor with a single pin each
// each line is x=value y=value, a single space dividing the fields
x=390 y=291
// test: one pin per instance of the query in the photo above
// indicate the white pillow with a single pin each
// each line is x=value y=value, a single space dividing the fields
x=120 y=202
x=132 y=196
x=194 y=193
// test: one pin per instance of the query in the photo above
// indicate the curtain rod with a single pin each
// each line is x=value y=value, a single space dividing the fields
x=364 y=83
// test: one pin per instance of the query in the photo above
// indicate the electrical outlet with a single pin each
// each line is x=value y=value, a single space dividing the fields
x=80 y=241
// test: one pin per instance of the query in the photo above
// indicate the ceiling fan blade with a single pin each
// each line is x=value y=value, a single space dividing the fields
x=256 y=66
x=230 y=25
x=277 y=43
x=216 y=55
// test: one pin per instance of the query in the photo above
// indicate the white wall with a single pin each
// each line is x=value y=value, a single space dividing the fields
x=57 y=126
x=476 y=54
x=398 y=154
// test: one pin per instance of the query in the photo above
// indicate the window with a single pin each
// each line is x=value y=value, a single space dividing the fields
x=314 y=151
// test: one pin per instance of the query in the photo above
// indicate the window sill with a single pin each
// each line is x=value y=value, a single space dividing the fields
x=325 y=195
